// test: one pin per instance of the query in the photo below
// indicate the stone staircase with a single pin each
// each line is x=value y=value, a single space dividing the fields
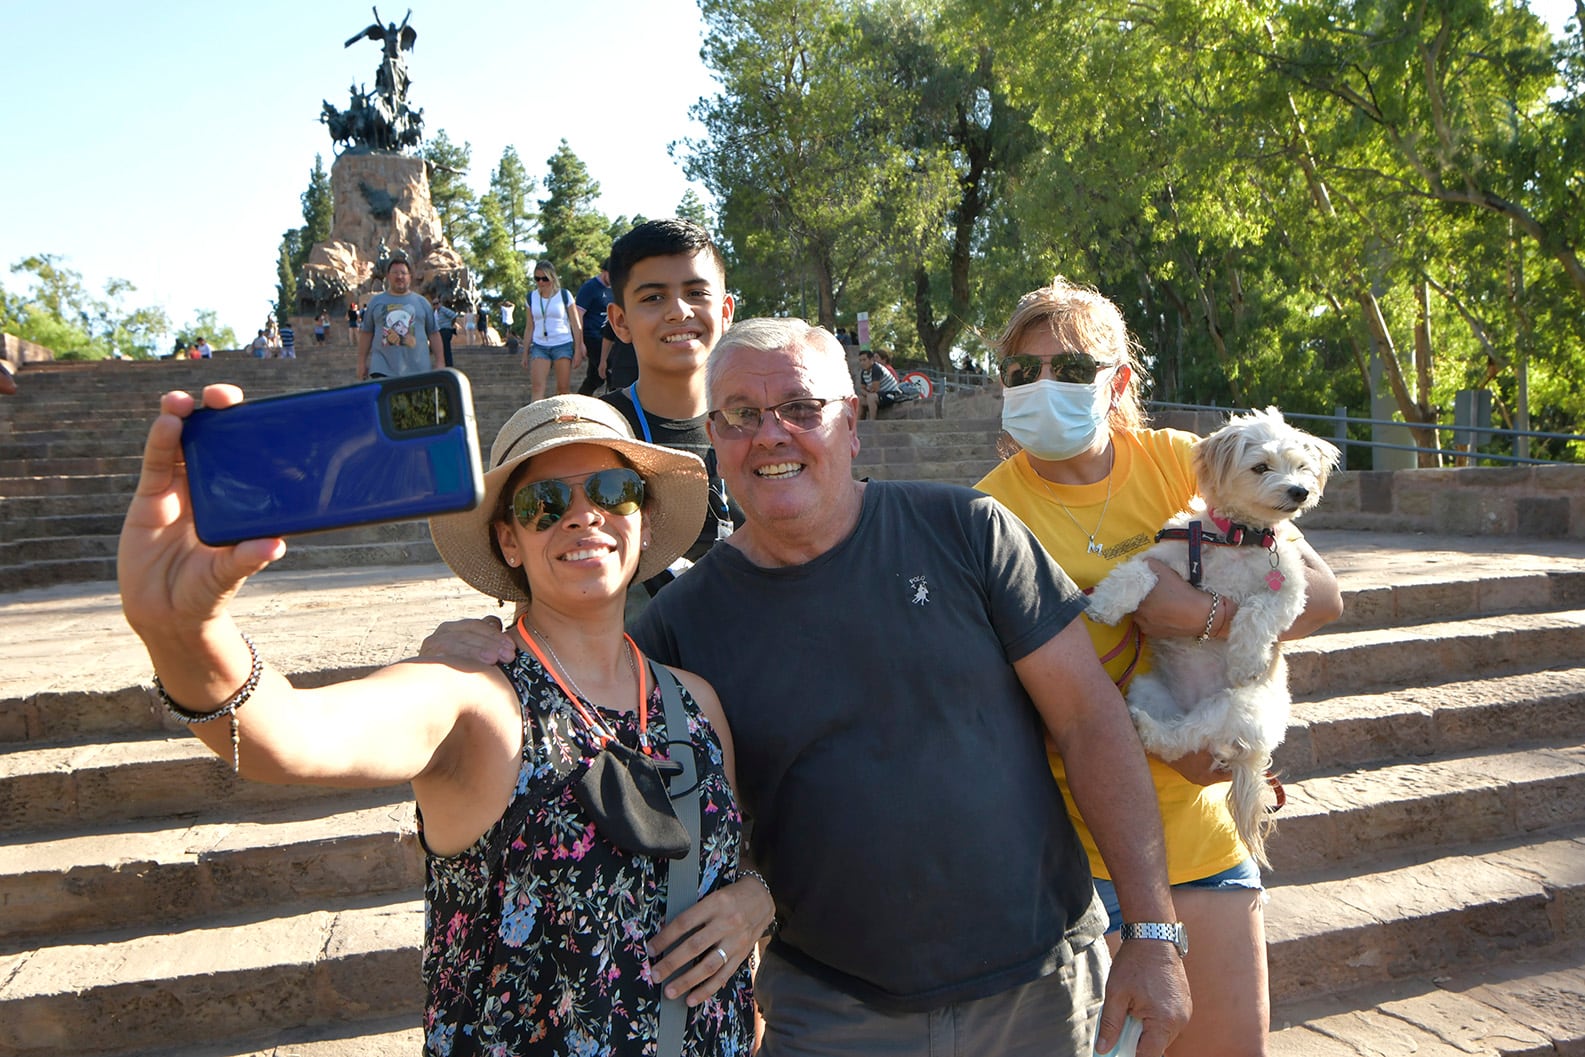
x=70 y=444
x=1427 y=895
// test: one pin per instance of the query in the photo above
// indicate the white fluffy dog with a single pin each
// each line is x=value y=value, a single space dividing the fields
x=1229 y=696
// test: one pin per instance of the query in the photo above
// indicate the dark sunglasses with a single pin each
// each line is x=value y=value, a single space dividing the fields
x=1077 y=367
x=542 y=503
x=796 y=416
x=542 y=278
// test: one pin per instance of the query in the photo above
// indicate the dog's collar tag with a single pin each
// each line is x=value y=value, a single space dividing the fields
x=1275 y=579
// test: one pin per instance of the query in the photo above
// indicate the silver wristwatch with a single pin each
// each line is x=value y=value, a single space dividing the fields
x=1173 y=933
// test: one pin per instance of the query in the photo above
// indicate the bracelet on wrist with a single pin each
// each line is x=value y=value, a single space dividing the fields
x=742 y=875
x=1210 y=619
x=227 y=708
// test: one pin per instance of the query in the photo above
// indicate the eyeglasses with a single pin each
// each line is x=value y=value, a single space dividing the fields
x=542 y=278
x=796 y=416
x=1072 y=366
x=619 y=491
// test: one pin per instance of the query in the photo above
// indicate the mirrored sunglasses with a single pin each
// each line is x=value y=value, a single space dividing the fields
x=540 y=504
x=796 y=416
x=1077 y=367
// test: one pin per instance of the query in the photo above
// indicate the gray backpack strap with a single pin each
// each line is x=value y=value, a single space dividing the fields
x=682 y=875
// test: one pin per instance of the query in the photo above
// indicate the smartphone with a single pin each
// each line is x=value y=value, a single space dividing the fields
x=391 y=449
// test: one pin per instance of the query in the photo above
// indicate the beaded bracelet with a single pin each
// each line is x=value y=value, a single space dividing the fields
x=229 y=708
x=770 y=930
x=1210 y=619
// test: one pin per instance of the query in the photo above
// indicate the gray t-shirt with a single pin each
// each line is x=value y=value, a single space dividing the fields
x=401 y=327
x=892 y=763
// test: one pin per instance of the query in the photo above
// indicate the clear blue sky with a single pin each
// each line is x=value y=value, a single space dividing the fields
x=167 y=143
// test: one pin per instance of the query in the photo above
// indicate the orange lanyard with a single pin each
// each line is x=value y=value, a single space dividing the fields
x=596 y=726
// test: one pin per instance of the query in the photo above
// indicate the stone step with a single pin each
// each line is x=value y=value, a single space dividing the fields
x=1357 y=730
x=179 y=874
x=23 y=464
x=120 y=485
x=1532 y=1008
x=1444 y=802
x=345 y=1038
x=98 y=522
x=1375 y=921
x=66 y=788
x=302 y=968
x=964 y=473
x=1371 y=658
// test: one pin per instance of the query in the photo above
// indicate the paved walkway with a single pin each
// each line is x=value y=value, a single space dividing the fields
x=73 y=637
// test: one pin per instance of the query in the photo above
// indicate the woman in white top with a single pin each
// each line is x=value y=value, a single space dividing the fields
x=555 y=332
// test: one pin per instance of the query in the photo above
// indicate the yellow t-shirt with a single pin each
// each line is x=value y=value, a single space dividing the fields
x=1152 y=479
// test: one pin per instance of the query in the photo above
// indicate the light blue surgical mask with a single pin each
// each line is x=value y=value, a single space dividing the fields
x=1056 y=420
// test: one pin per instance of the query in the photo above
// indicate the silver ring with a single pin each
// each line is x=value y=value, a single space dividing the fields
x=724 y=959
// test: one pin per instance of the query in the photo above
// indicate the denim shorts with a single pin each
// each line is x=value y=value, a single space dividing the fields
x=551 y=352
x=1245 y=875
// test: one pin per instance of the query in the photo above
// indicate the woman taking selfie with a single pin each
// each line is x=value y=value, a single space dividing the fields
x=554 y=856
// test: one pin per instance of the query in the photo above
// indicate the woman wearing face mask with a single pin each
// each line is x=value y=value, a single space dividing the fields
x=1095 y=485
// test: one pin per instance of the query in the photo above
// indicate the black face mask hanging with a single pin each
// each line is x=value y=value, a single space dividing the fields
x=625 y=793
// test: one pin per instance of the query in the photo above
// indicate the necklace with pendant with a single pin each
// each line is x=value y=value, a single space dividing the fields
x=575 y=693
x=1092 y=547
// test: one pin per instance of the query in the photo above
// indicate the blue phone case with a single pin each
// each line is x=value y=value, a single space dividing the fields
x=393 y=449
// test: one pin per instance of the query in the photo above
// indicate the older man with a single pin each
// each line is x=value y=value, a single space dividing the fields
x=933 y=897
x=929 y=884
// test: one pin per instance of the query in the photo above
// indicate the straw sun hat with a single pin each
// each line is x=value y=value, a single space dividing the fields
x=676 y=490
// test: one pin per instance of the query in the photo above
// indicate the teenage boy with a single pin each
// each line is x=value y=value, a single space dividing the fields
x=669 y=300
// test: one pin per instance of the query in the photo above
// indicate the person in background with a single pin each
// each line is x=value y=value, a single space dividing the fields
x=593 y=297
x=554 y=331
x=878 y=385
x=1094 y=485
x=446 y=319
x=398 y=334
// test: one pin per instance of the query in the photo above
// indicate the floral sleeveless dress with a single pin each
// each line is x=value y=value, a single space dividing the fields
x=535 y=936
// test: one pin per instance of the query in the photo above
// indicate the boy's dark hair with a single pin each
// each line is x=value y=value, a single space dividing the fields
x=672 y=237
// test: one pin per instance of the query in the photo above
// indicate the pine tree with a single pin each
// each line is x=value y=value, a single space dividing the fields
x=452 y=197
x=319 y=210
x=286 y=272
x=574 y=234
x=510 y=186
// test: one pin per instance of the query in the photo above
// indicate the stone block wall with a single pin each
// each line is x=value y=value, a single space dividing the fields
x=17 y=352
x=1537 y=501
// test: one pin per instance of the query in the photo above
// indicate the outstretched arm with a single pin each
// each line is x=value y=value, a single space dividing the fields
x=388 y=728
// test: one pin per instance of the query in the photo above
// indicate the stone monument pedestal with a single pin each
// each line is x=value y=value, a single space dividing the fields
x=381 y=200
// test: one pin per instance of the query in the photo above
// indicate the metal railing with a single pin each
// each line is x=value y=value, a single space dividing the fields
x=1340 y=421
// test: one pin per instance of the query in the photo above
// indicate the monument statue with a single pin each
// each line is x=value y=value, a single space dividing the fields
x=379 y=120
x=381 y=194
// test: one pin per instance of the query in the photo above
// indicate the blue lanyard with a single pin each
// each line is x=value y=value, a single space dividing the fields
x=643 y=419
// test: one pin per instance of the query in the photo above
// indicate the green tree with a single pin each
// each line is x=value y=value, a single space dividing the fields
x=286 y=268
x=501 y=270
x=510 y=186
x=573 y=233
x=447 y=165
x=59 y=313
x=791 y=133
x=319 y=209
x=206 y=324
x=692 y=208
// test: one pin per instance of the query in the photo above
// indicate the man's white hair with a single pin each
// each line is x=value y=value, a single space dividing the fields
x=824 y=355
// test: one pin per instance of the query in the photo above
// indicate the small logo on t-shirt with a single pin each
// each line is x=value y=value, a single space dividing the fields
x=920 y=589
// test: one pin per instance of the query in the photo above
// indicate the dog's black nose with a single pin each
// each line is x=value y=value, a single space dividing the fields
x=1298 y=494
